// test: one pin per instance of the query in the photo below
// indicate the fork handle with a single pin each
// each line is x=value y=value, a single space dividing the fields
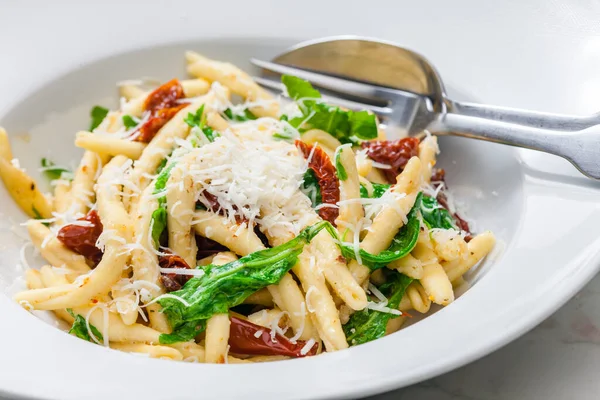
x=581 y=148
x=535 y=119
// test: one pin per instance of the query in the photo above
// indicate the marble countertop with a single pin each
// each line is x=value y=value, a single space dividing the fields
x=559 y=359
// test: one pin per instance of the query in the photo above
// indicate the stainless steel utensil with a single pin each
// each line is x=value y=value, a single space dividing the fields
x=406 y=92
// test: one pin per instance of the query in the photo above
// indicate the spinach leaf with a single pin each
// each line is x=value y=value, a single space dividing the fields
x=245 y=115
x=198 y=120
x=367 y=325
x=184 y=333
x=435 y=216
x=378 y=190
x=80 y=329
x=339 y=167
x=52 y=171
x=97 y=114
x=402 y=244
x=225 y=286
x=346 y=126
x=129 y=122
x=310 y=187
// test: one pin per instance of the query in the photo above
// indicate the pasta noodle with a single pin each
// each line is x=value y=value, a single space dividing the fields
x=194 y=225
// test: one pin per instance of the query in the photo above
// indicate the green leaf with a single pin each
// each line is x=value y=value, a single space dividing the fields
x=159 y=224
x=198 y=120
x=55 y=172
x=130 y=122
x=346 y=126
x=37 y=215
x=80 y=329
x=161 y=166
x=299 y=89
x=158 y=221
x=210 y=133
x=435 y=216
x=402 y=244
x=339 y=167
x=97 y=114
x=245 y=115
x=310 y=187
x=184 y=333
x=367 y=325
x=378 y=190
x=225 y=286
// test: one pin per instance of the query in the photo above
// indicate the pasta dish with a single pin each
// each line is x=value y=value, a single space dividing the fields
x=211 y=221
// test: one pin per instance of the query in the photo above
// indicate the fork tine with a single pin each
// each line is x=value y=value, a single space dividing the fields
x=382 y=112
x=342 y=86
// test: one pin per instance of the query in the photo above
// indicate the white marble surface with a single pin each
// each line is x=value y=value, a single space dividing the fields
x=559 y=359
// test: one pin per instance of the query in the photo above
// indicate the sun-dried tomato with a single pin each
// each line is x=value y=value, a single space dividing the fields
x=243 y=340
x=82 y=238
x=328 y=180
x=162 y=105
x=158 y=119
x=173 y=282
x=164 y=96
x=439 y=175
x=393 y=153
x=212 y=203
x=207 y=247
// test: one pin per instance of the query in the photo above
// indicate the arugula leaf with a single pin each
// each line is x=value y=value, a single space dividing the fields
x=163 y=164
x=435 y=216
x=158 y=221
x=129 y=122
x=97 y=114
x=183 y=333
x=298 y=88
x=346 y=126
x=225 y=286
x=198 y=120
x=339 y=167
x=80 y=329
x=310 y=187
x=246 y=115
x=54 y=172
x=402 y=244
x=159 y=224
x=378 y=190
x=367 y=325
x=38 y=215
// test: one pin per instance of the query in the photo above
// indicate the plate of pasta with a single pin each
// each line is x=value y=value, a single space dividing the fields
x=171 y=214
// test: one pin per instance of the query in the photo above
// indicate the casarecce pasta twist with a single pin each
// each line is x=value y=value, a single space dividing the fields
x=202 y=230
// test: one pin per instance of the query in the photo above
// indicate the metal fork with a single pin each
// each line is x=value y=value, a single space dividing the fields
x=412 y=113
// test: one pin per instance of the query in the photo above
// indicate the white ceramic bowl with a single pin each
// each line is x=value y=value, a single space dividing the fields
x=58 y=62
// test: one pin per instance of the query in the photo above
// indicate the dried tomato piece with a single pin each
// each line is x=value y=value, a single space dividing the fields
x=162 y=105
x=207 y=247
x=164 y=96
x=173 y=282
x=243 y=340
x=214 y=206
x=393 y=153
x=158 y=119
x=328 y=180
x=439 y=175
x=82 y=238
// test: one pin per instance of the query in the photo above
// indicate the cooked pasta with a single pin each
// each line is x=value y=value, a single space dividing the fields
x=200 y=229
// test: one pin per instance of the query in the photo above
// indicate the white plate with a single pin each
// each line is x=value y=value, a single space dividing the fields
x=55 y=67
